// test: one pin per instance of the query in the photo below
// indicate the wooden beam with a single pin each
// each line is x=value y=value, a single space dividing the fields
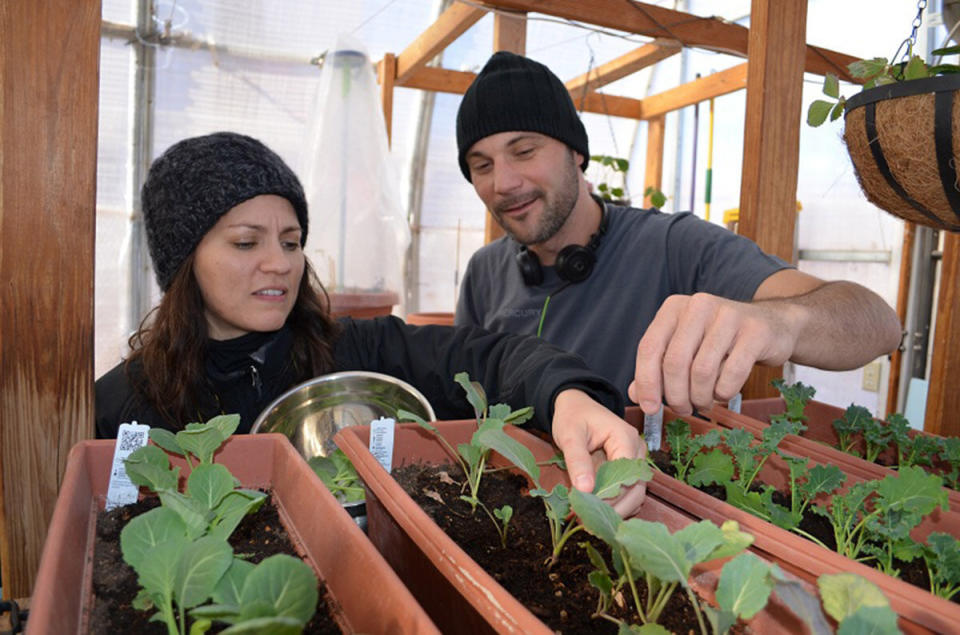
x=451 y=24
x=903 y=295
x=510 y=33
x=653 y=172
x=714 y=85
x=771 y=143
x=386 y=75
x=659 y=22
x=943 y=398
x=49 y=64
x=625 y=65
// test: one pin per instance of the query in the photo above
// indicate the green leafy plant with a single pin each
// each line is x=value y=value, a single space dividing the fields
x=338 y=474
x=503 y=514
x=850 y=425
x=657 y=198
x=611 y=477
x=796 y=396
x=857 y=604
x=942 y=557
x=685 y=447
x=180 y=551
x=614 y=169
x=472 y=457
x=647 y=550
x=873 y=519
x=950 y=453
x=874 y=72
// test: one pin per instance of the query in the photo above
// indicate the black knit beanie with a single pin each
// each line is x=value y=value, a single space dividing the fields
x=198 y=180
x=513 y=92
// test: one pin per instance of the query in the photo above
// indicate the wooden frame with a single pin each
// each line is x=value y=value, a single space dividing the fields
x=48 y=135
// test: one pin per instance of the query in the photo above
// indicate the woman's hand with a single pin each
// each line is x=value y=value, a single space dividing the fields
x=587 y=434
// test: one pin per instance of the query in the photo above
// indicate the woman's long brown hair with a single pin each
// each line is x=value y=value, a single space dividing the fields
x=171 y=342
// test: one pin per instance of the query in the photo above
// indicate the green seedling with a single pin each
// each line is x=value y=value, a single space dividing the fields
x=853 y=423
x=489 y=436
x=647 y=550
x=684 y=447
x=180 y=551
x=857 y=605
x=338 y=474
x=880 y=530
x=942 y=557
x=611 y=477
x=796 y=396
x=950 y=454
x=503 y=514
x=911 y=450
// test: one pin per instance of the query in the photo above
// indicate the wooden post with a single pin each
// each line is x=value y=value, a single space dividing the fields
x=653 y=172
x=943 y=398
x=771 y=143
x=509 y=34
x=903 y=296
x=49 y=57
x=387 y=75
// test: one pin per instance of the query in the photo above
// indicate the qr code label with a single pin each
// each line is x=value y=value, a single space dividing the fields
x=121 y=491
x=132 y=440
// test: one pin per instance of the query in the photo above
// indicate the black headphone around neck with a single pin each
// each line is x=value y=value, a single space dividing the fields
x=574 y=262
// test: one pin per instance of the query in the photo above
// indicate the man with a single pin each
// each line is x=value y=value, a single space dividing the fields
x=667 y=307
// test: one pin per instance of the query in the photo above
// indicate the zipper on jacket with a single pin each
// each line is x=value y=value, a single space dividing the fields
x=255 y=379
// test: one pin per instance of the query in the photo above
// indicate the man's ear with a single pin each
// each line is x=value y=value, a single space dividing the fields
x=576 y=155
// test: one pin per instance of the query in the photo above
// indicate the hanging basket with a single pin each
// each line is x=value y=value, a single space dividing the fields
x=904 y=141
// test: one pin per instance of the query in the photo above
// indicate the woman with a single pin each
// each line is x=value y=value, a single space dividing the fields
x=243 y=319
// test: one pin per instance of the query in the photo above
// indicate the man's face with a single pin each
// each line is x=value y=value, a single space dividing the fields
x=528 y=181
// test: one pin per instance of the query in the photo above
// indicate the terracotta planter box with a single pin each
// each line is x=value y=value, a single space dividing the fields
x=454 y=590
x=920 y=611
x=444 y=319
x=371 y=597
x=819 y=441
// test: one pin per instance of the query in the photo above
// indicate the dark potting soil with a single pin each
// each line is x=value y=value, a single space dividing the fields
x=258 y=536
x=913 y=572
x=561 y=597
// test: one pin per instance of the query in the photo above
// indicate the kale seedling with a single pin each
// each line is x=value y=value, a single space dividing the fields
x=796 y=396
x=684 y=447
x=853 y=422
x=916 y=450
x=942 y=557
x=950 y=453
x=180 y=551
x=665 y=561
x=338 y=474
x=881 y=529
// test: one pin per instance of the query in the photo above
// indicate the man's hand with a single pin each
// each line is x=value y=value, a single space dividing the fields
x=701 y=348
x=586 y=432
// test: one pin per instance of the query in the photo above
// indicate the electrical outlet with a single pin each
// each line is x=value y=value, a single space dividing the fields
x=871 y=377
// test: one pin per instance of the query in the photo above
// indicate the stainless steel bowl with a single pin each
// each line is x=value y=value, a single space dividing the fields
x=311 y=413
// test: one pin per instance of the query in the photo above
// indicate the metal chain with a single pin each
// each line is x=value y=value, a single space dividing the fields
x=910 y=41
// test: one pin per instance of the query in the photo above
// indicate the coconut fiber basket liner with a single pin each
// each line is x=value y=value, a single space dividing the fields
x=904 y=141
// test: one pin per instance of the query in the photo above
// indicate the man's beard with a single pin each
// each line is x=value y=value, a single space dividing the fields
x=556 y=211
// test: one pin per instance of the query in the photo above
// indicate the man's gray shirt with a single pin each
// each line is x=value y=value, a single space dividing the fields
x=644 y=257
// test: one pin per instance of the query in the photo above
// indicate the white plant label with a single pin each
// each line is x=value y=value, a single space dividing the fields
x=121 y=491
x=653 y=429
x=734 y=405
x=381 y=441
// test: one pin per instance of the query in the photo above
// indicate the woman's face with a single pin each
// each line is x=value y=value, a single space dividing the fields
x=249 y=266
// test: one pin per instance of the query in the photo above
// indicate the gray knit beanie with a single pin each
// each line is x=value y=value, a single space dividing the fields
x=198 y=180
x=513 y=92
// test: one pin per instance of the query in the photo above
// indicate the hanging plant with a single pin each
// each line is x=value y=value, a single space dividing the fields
x=900 y=131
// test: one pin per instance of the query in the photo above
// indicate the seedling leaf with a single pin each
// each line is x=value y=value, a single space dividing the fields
x=744 y=586
x=653 y=549
x=202 y=442
x=209 y=483
x=613 y=475
x=597 y=517
x=201 y=565
x=844 y=593
x=286 y=583
x=144 y=532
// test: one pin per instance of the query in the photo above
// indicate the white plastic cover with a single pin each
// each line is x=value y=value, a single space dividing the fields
x=358 y=229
